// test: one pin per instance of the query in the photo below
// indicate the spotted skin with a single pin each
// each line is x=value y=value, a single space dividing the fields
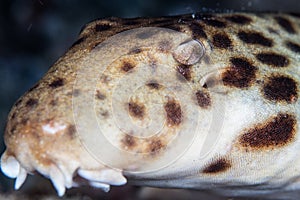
x=257 y=59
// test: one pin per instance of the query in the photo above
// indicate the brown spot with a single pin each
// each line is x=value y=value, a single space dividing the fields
x=136 y=109
x=285 y=24
x=255 y=38
x=239 y=19
x=240 y=75
x=217 y=166
x=280 y=89
x=155 y=146
x=102 y=27
x=203 y=99
x=31 y=102
x=221 y=41
x=104 y=114
x=129 y=141
x=272 y=59
x=173 y=111
x=293 y=47
x=198 y=31
x=154 y=85
x=127 y=66
x=57 y=83
x=214 y=22
x=275 y=132
x=185 y=71
x=71 y=131
x=13 y=116
x=100 y=95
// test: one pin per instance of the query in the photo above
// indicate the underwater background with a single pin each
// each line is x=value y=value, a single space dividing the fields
x=35 y=33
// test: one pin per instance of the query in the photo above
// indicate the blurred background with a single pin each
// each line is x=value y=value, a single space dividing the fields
x=35 y=33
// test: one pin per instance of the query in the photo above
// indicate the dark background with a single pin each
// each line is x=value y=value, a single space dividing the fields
x=35 y=33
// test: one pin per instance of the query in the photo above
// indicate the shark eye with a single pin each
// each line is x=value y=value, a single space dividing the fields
x=189 y=52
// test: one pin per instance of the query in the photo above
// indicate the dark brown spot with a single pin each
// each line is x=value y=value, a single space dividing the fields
x=173 y=111
x=71 y=131
x=221 y=41
x=275 y=132
x=104 y=114
x=197 y=31
x=127 y=66
x=285 y=24
x=136 y=109
x=217 y=166
x=13 y=116
x=241 y=74
x=57 y=83
x=129 y=141
x=102 y=27
x=100 y=95
x=154 y=85
x=255 y=38
x=239 y=19
x=31 y=102
x=214 y=22
x=155 y=146
x=185 y=71
x=272 y=59
x=293 y=47
x=203 y=99
x=280 y=88
x=79 y=41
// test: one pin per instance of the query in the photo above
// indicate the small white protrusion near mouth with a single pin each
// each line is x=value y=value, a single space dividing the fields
x=12 y=168
x=108 y=176
x=61 y=178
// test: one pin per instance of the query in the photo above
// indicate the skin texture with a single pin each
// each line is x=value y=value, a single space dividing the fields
x=232 y=126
